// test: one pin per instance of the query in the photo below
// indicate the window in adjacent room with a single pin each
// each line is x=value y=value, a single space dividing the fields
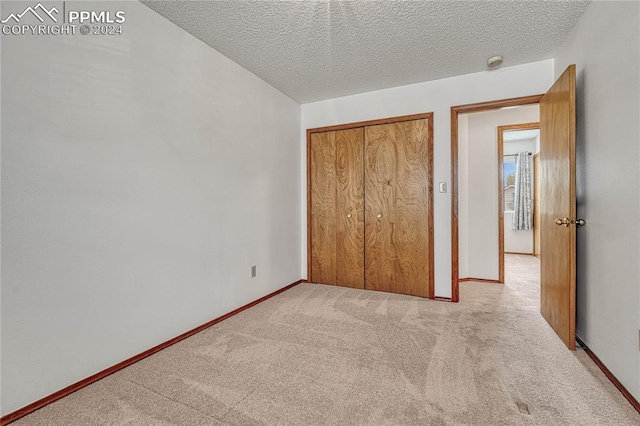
x=509 y=181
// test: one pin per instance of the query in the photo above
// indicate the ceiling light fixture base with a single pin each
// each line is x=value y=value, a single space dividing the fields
x=494 y=61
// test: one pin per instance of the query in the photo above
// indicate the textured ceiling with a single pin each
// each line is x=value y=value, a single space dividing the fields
x=320 y=50
x=519 y=135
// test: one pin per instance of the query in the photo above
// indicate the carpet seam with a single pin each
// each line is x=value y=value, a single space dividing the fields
x=172 y=399
x=238 y=403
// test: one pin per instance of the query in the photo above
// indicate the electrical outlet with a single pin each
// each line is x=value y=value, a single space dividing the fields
x=253 y=271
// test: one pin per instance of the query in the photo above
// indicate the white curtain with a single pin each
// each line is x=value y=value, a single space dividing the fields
x=522 y=208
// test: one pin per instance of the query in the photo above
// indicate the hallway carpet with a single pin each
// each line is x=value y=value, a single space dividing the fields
x=320 y=354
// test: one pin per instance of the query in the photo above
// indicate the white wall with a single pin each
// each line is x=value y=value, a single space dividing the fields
x=142 y=176
x=605 y=46
x=463 y=196
x=519 y=241
x=437 y=97
x=481 y=207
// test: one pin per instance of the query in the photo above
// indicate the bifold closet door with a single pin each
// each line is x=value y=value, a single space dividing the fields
x=337 y=210
x=398 y=221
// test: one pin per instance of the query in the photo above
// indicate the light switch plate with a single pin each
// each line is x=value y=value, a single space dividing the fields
x=443 y=187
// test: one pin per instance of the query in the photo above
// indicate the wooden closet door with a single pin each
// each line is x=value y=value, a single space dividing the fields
x=398 y=208
x=337 y=221
x=350 y=208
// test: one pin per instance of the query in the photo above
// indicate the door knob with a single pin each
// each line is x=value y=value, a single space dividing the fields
x=349 y=215
x=379 y=215
x=566 y=222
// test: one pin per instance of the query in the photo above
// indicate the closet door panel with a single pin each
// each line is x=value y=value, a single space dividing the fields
x=323 y=207
x=412 y=220
x=349 y=208
x=380 y=253
x=371 y=206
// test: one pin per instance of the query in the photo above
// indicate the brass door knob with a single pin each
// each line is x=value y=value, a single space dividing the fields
x=566 y=222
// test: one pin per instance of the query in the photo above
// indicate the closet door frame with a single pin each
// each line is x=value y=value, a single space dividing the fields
x=429 y=117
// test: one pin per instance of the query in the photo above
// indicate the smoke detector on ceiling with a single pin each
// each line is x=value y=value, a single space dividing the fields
x=494 y=61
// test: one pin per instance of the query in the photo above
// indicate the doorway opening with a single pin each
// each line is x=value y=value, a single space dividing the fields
x=518 y=191
x=461 y=175
x=558 y=221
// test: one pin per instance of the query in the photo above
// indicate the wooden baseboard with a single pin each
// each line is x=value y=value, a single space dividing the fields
x=517 y=252
x=610 y=376
x=11 y=417
x=481 y=280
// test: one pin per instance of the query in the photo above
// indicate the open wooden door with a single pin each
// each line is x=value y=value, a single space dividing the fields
x=558 y=207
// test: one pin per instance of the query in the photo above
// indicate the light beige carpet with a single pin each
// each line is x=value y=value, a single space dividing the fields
x=319 y=354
